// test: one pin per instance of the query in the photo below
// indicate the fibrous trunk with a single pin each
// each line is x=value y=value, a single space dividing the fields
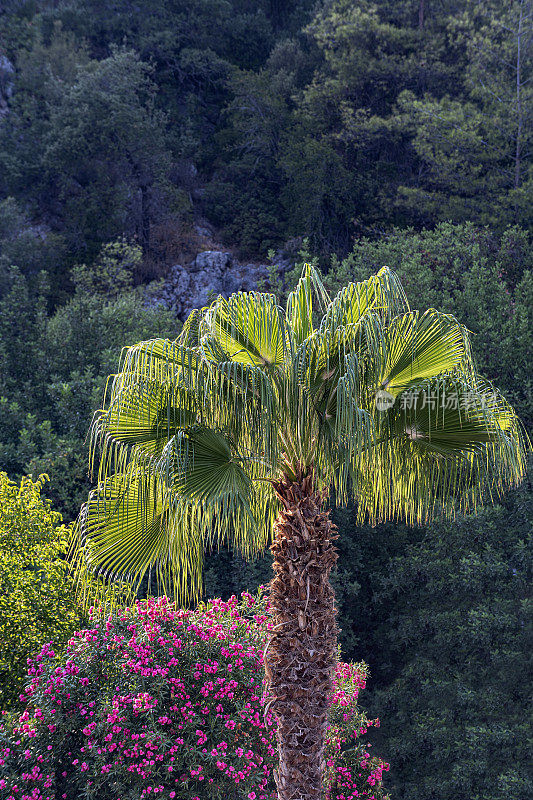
x=301 y=655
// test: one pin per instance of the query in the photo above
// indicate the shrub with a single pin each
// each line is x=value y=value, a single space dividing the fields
x=155 y=701
x=36 y=599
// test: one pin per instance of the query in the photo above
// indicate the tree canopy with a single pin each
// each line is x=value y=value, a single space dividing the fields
x=384 y=405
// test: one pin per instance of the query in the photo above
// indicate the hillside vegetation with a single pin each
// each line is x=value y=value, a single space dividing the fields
x=135 y=135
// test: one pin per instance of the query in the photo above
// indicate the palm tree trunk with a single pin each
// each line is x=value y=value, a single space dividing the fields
x=301 y=655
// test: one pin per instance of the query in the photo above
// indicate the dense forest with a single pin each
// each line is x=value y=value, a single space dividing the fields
x=349 y=134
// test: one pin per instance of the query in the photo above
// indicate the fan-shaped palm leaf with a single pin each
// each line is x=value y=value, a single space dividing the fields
x=382 y=294
x=417 y=346
x=250 y=329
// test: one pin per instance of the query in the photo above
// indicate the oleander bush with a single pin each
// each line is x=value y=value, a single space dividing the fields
x=159 y=702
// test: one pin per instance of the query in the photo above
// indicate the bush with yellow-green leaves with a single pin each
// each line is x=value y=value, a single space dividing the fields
x=37 y=602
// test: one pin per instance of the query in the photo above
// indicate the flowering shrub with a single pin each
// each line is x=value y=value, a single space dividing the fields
x=165 y=703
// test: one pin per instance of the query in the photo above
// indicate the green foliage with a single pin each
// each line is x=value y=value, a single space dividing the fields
x=383 y=113
x=16 y=24
x=113 y=272
x=24 y=245
x=474 y=150
x=93 y=143
x=45 y=69
x=333 y=122
x=106 y=138
x=48 y=396
x=457 y=619
x=37 y=601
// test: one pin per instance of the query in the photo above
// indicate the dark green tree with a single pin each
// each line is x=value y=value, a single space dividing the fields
x=349 y=149
x=105 y=156
x=458 y=618
x=32 y=249
x=45 y=69
x=244 y=200
x=474 y=150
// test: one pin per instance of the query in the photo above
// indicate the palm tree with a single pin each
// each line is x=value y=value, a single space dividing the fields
x=238 y=430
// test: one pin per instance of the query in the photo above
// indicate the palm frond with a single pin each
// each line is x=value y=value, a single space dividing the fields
x=139 y=421
x=121 y=530
x=446 y=443
x=418 y=346
x=300 y=303
x=196 y=494
x=190 y=333
x=381 y=294
x=251 y=329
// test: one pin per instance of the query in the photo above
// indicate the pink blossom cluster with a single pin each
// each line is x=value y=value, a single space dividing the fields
x=159 y=702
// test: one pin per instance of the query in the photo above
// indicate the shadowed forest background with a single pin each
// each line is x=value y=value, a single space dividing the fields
x=352 y=134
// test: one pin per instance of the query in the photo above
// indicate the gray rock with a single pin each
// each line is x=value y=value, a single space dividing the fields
x=211 y=273
x=213 y=261
x=182 y=282
x=204 y=230
x=232 y=283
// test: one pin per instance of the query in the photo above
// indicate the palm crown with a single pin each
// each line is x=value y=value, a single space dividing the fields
x=381 y=402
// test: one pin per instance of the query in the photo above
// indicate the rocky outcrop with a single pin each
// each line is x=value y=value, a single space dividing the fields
x=211 y=273
x=7 y=77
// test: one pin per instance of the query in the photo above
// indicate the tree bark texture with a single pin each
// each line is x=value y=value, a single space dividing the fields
x=421 y=9
x=301 y=655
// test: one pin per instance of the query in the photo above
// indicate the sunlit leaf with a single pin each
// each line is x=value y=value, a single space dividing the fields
x=251 y=329
x=381 y=294
x=417 y=346
x=300 y=303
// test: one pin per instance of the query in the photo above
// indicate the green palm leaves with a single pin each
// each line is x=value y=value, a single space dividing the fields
x=419 y=346
x=194 y=430
x=249 y=329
